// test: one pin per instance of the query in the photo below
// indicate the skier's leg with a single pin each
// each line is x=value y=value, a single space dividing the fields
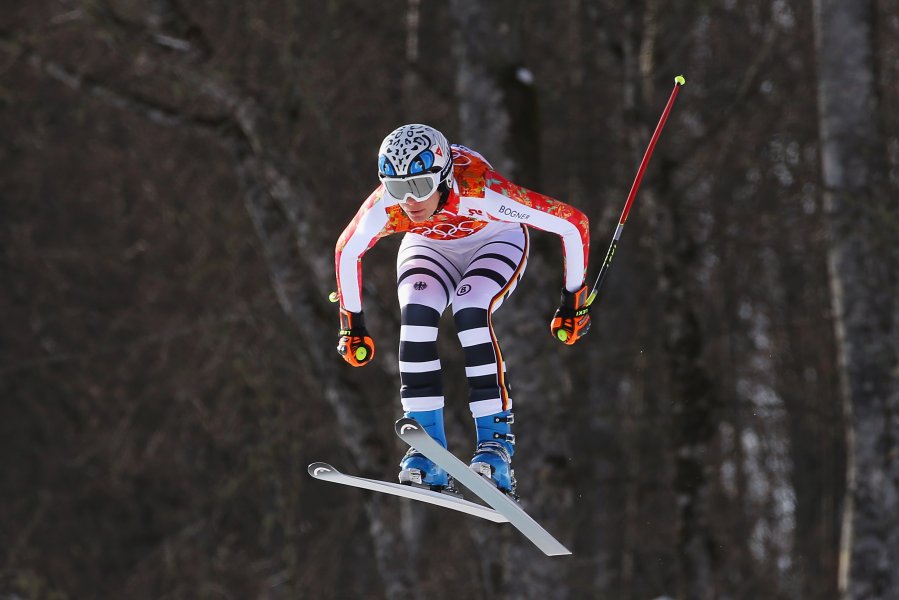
x=424 y=279
x=491 y=276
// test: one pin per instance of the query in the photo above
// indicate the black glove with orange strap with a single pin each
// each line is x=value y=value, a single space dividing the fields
x=572 y=319
x=355 y=345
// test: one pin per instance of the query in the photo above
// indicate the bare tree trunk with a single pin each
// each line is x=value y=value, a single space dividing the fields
x=815 y=425
x=497 y=111
x=692 y=393
x=863 y=267
x=497 y=97
x=695 y=404
x=483 y=120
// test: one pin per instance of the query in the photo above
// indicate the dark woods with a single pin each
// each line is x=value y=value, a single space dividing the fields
x=174 y=177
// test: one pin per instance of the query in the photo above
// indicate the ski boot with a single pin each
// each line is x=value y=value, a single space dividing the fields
x=417 y=469
x=493 y=456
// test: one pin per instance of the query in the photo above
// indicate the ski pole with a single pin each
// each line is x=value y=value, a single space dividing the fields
x=604 y=269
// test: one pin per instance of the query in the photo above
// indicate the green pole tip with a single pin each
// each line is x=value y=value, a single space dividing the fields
x=680 y=79
x=562 y=334
x=332 y=296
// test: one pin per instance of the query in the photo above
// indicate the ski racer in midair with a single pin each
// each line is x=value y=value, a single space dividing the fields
x=466 y=244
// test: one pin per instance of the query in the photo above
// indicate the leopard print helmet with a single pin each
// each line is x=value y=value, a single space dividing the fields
x=416 y=149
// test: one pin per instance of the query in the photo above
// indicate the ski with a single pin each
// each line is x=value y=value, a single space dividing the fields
x=413 y=434
x=326 y=472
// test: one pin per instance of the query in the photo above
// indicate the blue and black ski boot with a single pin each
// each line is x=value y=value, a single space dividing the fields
x=496 y=445
x=416 y=468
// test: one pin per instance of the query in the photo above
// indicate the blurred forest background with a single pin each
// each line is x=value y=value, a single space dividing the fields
x=174 y=176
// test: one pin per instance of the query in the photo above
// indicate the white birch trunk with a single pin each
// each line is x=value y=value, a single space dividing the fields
x=863 y=267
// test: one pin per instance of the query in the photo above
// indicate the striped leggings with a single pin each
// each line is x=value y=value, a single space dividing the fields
x=475 y=274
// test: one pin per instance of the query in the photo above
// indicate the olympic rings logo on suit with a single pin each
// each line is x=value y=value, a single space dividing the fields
x=446 y=230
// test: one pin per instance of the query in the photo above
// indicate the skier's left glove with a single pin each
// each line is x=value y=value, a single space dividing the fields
x=572 y=319
x=355 y=345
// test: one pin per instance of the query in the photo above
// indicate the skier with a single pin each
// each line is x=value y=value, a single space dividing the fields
x=466 y=245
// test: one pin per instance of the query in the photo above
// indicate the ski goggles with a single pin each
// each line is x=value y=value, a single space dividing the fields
x=418 y=187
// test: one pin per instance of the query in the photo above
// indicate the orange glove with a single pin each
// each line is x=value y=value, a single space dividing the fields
x=355 y=345
x=572 y=319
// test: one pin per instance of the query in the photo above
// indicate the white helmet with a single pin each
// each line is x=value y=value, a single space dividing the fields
x=413 y=161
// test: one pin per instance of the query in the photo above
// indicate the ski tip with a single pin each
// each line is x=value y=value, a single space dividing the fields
x=320 y=470
x=680 y=80
x=405 y=425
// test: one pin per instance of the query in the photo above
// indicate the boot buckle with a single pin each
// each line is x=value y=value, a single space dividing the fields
x=482 y=468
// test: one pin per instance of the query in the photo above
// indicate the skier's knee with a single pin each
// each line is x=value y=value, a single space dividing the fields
x=470 y=318
x=420 y=314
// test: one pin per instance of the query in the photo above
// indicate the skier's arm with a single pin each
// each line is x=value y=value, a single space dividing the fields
x=509 y=202
x=370 y=223
x=360 y=234
x=506 y=201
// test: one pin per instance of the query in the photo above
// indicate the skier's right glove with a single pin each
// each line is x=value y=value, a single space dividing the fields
x=355 y=345
x=572 y=319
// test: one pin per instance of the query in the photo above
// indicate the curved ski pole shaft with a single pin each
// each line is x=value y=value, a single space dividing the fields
x=604 y=268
